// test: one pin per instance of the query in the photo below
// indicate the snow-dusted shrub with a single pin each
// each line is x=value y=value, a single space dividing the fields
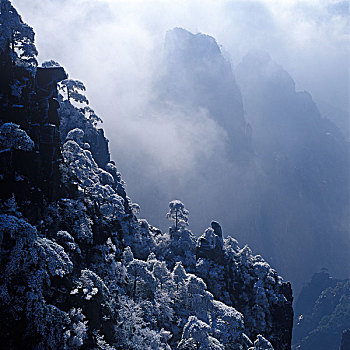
x=215 y=276
x=76 y=332
x=83 y=170
x=76 y=135
x=196 y=336
x=67 y=241
x=30 y=265
x=48 y=321
x=142 y=283
x=179 y=274
x=195 y=285
x=106 y=178
x=111 y=271
x=101 y=343
x=112 y=169
x=227 y=324
x=199 y=300
x=163 y=306
x=75 y=214
x=80 y=163
x=261 y=344
x=138 y=235
x=30 y=250
x=89 y=285
x=179 y=245
x=161 y=272
x=12 y=137
x=134 y=333
x=57 y=261
x=135 y=208
x=50 y=64
x=231 y=245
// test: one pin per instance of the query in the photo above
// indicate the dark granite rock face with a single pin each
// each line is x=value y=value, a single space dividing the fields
x=98 y=145
x=210 y=245
x=345 y=340
x=217 y=228
x=32 y=106
x=282 y=320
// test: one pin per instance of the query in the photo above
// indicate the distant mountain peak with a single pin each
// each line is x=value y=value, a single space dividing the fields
x=198 y=76
x=181 y=40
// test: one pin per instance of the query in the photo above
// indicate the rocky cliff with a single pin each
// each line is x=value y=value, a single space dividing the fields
x=304 y=160
x=196 y=75
x=78 y=269
x=322 y=314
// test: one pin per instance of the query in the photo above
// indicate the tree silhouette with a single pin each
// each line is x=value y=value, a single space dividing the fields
x=74 y=89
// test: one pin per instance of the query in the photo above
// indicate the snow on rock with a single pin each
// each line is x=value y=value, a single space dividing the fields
x=94 y=181
x=261 y=344
x=227 y=323
x=196 y=336
x=12 y=137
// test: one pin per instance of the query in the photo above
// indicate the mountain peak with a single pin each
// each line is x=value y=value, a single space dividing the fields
x=197 y=76
x=197 y=45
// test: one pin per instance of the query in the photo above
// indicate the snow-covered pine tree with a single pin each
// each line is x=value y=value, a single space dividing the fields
x=178 y=213
x=16 y=37
x=74 y=89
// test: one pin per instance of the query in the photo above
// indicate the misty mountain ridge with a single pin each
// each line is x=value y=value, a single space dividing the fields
x=306 y=162
x=338 y=116
x=196 y=75
x=322 y=314
x=288 y=175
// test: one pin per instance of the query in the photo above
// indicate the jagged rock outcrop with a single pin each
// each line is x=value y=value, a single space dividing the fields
x=293 y=186
x=210 y=244
x=229 y=270
x=345 y=340
x=31 y=103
